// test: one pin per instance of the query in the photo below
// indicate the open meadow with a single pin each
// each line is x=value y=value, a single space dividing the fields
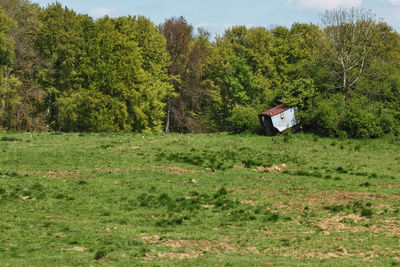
x=179 y=200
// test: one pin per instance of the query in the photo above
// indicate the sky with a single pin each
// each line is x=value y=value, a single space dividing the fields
x=218 y=15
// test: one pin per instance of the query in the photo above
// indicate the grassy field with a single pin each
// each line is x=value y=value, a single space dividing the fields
x=179 y=200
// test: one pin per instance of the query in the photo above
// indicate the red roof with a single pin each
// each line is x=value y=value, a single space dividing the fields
x=276 y=110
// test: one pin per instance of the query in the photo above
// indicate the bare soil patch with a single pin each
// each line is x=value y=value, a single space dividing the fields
x=190 y=248
x=114 y=170
x=177 y=170
x=79 y=249
x=340 y=197
x=387 y=186
x=338 y=223
x=64 y=174
x=274 y=168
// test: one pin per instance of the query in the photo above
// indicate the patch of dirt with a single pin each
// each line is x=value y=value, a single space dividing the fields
x=174 y=255
x=338 y=223
x=79 y=249
x=340 y=197
x=334 y=197
x=317 y=254
x=387 y=186
x=257 y=190
x=251 y=250
x=129 y=149
x=274 y=168
x=64 y=174
x=391 y=226
x=239 y=166
x=190 y=248
x=250 y=202
x=266 y=264
x=30 y=172
x=59 y=235
x=224 y=244
x=151 y=239
x=178 y=170
x=341 y=252
x=114 y=170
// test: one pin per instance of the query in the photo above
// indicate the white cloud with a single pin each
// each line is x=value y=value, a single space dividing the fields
x=205 y=25
x=228 y=25
x=394 y=2
x=220 y=27
x=325 y=4
x=100 y=11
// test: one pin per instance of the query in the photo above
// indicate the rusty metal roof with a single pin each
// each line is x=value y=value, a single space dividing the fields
x=276 y=110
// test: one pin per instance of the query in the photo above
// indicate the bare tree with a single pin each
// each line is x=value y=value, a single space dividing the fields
x=27 y=64
x=350 y=40
x=188 y=53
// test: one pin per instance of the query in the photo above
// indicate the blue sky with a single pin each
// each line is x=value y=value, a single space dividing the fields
x=217 y=15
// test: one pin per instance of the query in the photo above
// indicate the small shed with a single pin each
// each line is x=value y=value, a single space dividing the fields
x=278 y=119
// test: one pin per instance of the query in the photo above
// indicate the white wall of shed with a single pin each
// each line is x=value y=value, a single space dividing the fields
x=287 y=122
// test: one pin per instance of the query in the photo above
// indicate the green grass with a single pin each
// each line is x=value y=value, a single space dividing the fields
x=211 y=200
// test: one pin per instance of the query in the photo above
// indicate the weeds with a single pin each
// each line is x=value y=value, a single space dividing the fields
x=10 y=139
x=352 y=206
x=226 y=159
x=367 y=212
x=100 y=254
x=335 y=208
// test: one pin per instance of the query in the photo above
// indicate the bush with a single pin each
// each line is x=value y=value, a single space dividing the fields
x=298 y=93
x=389 y=121
x=324 y=116
x=354 y=117
x=360 y=121
x=91 y=111
x=244 y=119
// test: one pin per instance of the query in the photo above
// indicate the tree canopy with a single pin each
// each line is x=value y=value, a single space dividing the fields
x=60 y=70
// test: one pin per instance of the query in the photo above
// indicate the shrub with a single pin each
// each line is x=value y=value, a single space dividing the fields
x=389 y=121
x=91 y=111
x=360 y=121
x=101 y=253
x=244 y=119
x=298 y=93
x=354 y=117
x=366 y=212
x=325 y=116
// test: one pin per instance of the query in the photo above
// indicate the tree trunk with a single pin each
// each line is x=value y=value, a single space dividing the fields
x=168 y=118
x=48 y=114
x=3 y=105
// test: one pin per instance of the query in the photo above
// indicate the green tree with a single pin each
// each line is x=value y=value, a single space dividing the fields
x=230 y=82
x=135 y=61
x=9 y=84
x=122 y=60
x=60 y=40
x=27 y=65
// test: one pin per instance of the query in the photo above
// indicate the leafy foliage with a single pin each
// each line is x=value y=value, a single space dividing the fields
x=9 y=84
x=243 y=120
x=91 y=111
x=132 y=75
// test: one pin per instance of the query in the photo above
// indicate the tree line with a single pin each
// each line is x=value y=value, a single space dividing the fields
x=64 y=71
